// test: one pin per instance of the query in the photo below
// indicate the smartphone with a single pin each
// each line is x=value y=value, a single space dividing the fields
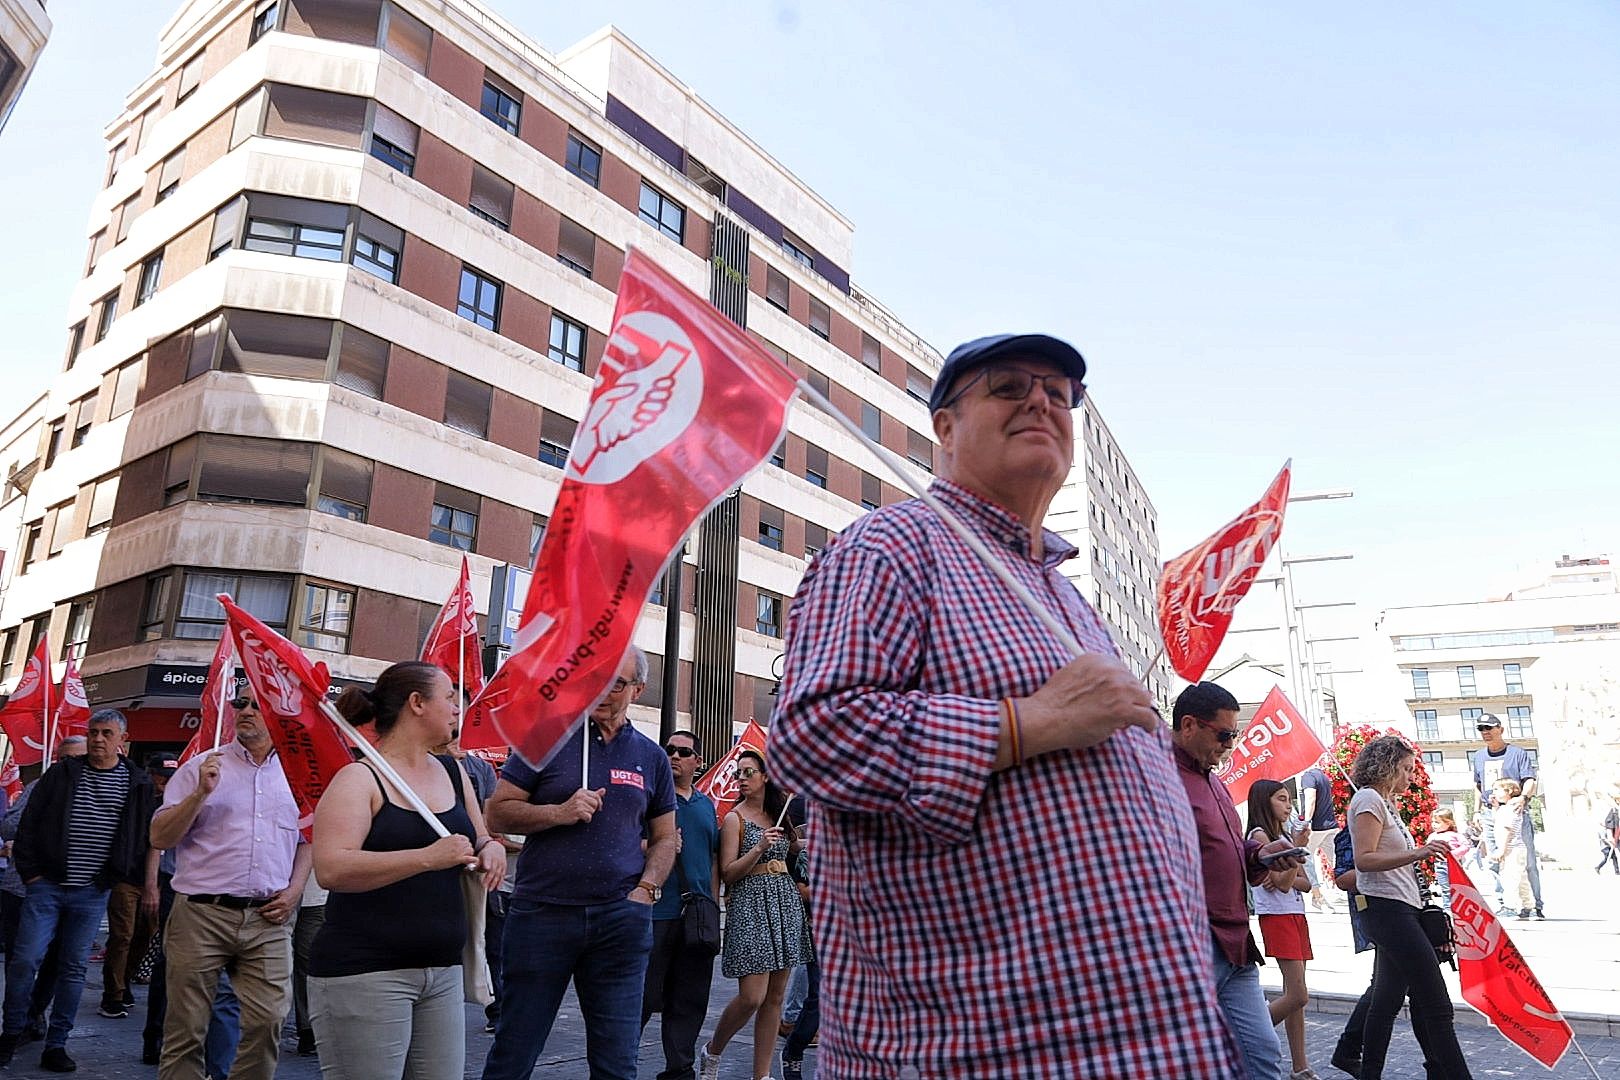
x=1270 y=859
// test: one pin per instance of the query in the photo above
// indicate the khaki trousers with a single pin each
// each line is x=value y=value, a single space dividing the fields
x=129 y=932
x=199 y=941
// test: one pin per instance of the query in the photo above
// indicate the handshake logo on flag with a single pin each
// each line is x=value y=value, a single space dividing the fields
x=646 y=396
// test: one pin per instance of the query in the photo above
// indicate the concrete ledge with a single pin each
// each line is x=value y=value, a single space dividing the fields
x=1331 y=1002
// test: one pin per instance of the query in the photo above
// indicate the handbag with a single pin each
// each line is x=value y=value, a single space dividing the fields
x=476 y=985
x=1436 y=924
x=700 y=917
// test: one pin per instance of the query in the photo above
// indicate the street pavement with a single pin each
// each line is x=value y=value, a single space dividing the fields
x=1576 y=953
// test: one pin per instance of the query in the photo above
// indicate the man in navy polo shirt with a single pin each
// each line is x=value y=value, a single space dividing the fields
x=582 y=905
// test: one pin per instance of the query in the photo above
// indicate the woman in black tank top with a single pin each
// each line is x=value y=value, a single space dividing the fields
x=385 y=982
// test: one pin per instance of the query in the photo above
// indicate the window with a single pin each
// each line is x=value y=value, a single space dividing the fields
x=345 y=489
x=169 y=174
x=556 y=436
x=377 y=245
x=1420 y=683
x=269 y=343
x=245 y=120
x=297 y=227
x=115 y=158
x=362 y=362
x=662 y=212
x=324 y=618
x=1518 y=722
x=98 y=248
x=234 y=468
x=764 y=699
x=1428 y=724
x=264 y=21
x=796 y=251
x=103 y=496
x=8 y=652
x=704 y=177
x=576 y=247
x=920 y=450
x=815 y=538
x=454 y=521
x=584 y=159
x=408 y=40
x=1470 y=717
x=815 y=465
x=770 y=527
x=80 y=613
x=871 y=351
x=819 y=382
x=871 y=491
x=776 y=288
x=177 y=471
x=393 y=140
x=768 y=614
x=109 y=312
x=1434 y=761
x=58 y=526
x=190 y=77
x=479 y=299
x=53 y=441
x=501 y=104
x=265 y=596
x=151 y=278
x=918 y=385
x=537 y=533
x=1466 y=686
x=84 y=419
x=227 y=227
x=820 y=319
x=779 y=455
x=75 y=342
x=491 y=198
x=33 y=550
x=567 y=342
x=871 y=421
x=155 y=606
x=1513 y=676
x=466 y=404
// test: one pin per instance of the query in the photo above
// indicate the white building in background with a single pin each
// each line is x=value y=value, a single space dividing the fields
x=1546 y=660
x=24 y=30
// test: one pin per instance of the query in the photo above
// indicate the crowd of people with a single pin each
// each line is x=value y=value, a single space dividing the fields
x=981 y=826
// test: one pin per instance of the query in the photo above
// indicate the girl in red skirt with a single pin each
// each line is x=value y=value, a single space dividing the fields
x=1280 y=903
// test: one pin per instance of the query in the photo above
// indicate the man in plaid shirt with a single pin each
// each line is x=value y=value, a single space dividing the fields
x=1003 y=855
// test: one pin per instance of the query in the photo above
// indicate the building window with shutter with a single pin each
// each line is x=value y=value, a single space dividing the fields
x=377 y=245
x=556 y=437
x=491 y=198
x=103 y=496
x=871 y=491
x=776 y=288
x=815 y=465
x=479 y=299
x=169 y=174
x=567 y=345
x=768 y=614
x=466 y=404
x=771 y=522
x=267 y=597
x=820 y=319
x=151 y=278
x=501 y=104
x=662 y=212
x=362 y=362
x=454 y=518
x=393 y=140
x=576 y=247
x=80 y=614
x=272 y=472
x=325 y=614
x=345 y=487
x=584 y=159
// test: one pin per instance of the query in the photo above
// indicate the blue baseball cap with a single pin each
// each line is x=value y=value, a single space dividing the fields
x=965 y=357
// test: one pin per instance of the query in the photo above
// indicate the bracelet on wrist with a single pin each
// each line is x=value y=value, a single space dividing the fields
x=1015 y=734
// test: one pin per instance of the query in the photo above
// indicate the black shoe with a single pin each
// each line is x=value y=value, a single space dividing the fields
x=129 y=998
x=489 y=1027
x=1345 y=1061
x=151 y=1052
x=306 y=1042
x=8 y=1047
x=112 y=1010
x=1539 y=915
x=55 y=1059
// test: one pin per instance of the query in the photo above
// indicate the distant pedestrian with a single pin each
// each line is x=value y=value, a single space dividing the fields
x=1281 y=907
x=1445 y=828
x=1497 y=760
x=1609 y=837
x=84 y=829
x=385 y=976
x=1316 y=807
x=1508 y=847
x=766 y=931
x=1385 y=857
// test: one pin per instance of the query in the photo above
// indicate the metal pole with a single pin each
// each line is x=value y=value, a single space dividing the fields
x=669 y=684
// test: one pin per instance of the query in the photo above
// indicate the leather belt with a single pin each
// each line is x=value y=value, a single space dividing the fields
x=237 y=903
x=775 y=866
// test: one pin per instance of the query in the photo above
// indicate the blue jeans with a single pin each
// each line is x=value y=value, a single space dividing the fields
x=809 y=1022
x=224 y=1030
x=1244 y=1004
x=71 y=913
x=603 y=948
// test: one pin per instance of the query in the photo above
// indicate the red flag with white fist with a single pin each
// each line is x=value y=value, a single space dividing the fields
x=73 y=714
x=1201 y=586
x=685 y=406
x=720 y=782
x=25 y=715
x=1496 y=979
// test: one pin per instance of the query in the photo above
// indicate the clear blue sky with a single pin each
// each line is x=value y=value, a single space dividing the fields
x=1382 y=239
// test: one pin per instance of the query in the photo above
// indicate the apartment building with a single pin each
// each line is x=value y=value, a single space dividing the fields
x=24 y=30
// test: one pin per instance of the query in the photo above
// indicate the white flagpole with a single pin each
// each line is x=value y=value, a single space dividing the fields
x=585 y=755
x=50 y=718
x=385 y=767
x=226 y=684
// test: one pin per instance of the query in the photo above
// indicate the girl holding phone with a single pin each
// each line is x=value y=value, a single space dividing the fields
x=1280 y=903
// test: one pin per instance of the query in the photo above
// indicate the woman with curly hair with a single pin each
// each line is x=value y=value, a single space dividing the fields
x=1389 y=899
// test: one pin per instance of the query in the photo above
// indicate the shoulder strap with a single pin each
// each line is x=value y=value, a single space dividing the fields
x=372 y=769
x=450 y=767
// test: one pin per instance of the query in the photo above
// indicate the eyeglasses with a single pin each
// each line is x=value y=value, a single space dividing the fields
x=680 y=751
x=747 y=774
x=1226 y=735
x=241 y=703
x=621 y=685
x=1014 y=383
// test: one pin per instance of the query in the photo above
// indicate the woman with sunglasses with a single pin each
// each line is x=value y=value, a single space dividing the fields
x=385 y=981
x=1389 y=900
x=766 y=931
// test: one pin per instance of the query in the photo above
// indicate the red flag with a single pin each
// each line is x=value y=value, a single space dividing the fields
x=720 y=782
x=290 y=690
x=215 y=726
x=73 y=710
x=23 y=718
x=1497 y=981
x=1275 y=745
x=11 y=778
x=685 y=405
x=1201 y=586
x=453 y=644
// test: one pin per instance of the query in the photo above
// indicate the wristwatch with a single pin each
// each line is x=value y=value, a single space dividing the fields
x=653 y=891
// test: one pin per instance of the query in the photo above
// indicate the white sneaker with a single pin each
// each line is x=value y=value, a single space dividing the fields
x=708 y=1067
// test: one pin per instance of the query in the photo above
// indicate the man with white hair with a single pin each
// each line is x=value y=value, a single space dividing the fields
x=83 y=830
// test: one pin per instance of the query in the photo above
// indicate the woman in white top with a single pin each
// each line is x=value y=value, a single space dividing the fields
x=1280 y=903
x=1389 y=900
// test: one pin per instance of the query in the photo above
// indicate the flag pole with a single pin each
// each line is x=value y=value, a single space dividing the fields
x=585 y=755
x=992 y=563
x=50 y=720
x=226 y=684
x=384 y=766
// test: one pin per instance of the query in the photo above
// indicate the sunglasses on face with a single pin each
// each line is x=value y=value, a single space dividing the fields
x=680 y=751
x=1225 y=735
x=747 y=773
x=242 y=703
x=1014 y=383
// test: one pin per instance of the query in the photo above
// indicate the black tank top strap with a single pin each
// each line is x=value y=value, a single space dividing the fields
x=454 y=770
x=372 y=769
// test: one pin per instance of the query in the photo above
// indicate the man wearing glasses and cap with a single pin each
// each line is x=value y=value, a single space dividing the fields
x=1504 y=760
x=993 y=813
x=240 y=868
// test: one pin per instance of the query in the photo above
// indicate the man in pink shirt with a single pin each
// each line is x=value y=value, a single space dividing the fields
x=240 y=871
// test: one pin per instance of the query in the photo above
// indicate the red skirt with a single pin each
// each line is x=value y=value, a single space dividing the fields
x=1286 y=937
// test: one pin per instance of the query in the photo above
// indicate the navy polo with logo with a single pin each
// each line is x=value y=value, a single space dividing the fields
x=600 y=861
